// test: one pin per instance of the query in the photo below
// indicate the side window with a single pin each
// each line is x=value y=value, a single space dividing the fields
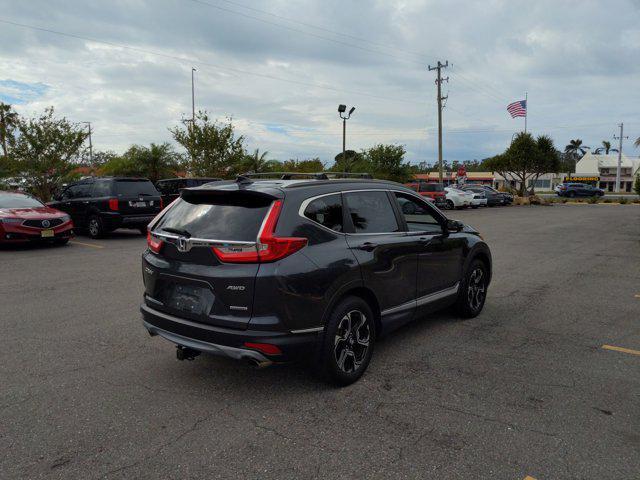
x=102 y=188
x=327 y=211
x=418 y=215
x=371 y=212
x=83 y=190
x=67 y=193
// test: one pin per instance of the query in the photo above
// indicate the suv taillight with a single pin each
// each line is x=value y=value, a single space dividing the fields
x=269 y=248
x=154 y=243
x=113 y=204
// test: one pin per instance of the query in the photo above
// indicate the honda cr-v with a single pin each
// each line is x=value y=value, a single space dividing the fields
x=271 y=271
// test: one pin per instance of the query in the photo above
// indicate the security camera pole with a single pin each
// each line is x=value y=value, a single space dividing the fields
x=341 y=110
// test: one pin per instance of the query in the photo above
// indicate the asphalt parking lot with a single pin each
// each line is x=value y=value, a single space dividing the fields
x=525 y=389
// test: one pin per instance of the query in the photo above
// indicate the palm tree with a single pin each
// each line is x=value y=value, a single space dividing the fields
x=257 y=162
x=8 y=123
x=637 y=142
x=575 y=147
x=607 y=146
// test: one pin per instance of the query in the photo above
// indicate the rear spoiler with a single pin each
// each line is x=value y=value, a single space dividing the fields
x=232 y=191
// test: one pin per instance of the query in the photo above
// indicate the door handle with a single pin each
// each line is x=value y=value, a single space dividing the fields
x=367 y=246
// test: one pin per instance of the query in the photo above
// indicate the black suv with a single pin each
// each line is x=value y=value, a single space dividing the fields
x=170 y=188
x=100 y=205
x=274 y=271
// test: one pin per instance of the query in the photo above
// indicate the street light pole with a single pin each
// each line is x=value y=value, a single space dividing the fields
x=341 y=110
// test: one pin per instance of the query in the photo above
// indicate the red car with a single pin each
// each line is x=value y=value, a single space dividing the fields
x=434 y=191
x=24 y=219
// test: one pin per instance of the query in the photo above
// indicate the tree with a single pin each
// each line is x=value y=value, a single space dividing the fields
x=309 y=165
x=386 y=161
x=526 y=159
x=257 y=162
x=45 y=150
x=8 y=124
x=636 y=184
x=351 y=161
x=573 y=151
x=153 y=162
x=606 y=146
x=213 y=148
x=637 y=142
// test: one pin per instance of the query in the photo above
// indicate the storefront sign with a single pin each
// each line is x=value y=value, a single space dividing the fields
x=581 y=179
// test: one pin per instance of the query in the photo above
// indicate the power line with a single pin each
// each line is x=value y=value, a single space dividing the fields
x=192 y=60
x=420 y=60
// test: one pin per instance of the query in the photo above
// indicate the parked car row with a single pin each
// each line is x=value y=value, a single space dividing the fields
x=572 y=190
x=464 y=196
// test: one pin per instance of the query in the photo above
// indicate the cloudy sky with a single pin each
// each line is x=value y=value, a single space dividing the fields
x=280 y=68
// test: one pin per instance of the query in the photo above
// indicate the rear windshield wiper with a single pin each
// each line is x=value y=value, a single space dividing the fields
x=177 y=231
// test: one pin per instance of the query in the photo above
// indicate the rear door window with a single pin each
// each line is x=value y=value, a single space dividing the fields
x=134 y=188
x=327 y=211
x=81 y=190
x=371 y=212
x=215 y=219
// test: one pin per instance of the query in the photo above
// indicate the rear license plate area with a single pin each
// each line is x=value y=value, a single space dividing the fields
x=186 y=298
x=138 y=204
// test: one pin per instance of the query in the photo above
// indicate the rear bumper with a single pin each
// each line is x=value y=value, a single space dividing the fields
x=226 y=341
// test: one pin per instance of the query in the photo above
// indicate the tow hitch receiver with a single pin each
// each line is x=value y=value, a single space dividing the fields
x=186 y=353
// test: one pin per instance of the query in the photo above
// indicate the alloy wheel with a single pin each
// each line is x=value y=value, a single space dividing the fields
x=476 y=289
x=94 y=228
x=351 y=342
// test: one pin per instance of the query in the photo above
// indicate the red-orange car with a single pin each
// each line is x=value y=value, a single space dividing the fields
x=23 y=218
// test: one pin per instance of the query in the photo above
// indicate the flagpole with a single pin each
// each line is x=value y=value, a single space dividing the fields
x=526 y=111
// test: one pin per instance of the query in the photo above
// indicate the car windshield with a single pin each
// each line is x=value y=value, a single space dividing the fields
x=18 y=200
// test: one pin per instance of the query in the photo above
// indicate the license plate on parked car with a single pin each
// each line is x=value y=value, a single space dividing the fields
x=47 y=233
x=138 y=204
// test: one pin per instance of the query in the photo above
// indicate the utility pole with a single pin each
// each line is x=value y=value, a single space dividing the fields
x=439 y=81
x=619 y=156
x=193 y=98
x=88 y=124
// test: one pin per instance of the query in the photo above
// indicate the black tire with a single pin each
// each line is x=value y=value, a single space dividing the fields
x=95 y=227
x=571 y=194
x=344 y=357
x=473 y=290
x=474 y=206
x=450 y=205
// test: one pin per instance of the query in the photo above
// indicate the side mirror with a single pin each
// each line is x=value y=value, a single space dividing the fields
x=454 y=226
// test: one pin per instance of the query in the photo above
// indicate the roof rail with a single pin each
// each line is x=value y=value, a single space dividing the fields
x=287 y=175
x=313 y=175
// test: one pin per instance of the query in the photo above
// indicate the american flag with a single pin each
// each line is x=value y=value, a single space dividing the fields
x=518 y=109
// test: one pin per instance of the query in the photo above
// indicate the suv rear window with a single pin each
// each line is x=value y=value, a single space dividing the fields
x=134 y=188
x=215 y=219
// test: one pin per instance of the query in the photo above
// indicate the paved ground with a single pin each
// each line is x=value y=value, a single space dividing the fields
x=525 y=389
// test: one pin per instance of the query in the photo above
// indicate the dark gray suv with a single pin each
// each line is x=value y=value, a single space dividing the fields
x=272 y=271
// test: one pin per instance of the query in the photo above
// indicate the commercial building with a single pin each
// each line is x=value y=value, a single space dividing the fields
x=485 y=178
x=604 y=168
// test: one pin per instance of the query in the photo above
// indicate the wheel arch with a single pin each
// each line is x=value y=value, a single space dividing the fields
x=357 y=291
x=480 y=252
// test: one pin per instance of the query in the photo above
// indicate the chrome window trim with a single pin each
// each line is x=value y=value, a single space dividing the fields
x=308 y=330
x=306 y=202
x=424 y=300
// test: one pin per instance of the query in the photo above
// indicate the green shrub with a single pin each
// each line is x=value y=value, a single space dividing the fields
x=624 y=200
x=593 y=199
x=607 y=200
